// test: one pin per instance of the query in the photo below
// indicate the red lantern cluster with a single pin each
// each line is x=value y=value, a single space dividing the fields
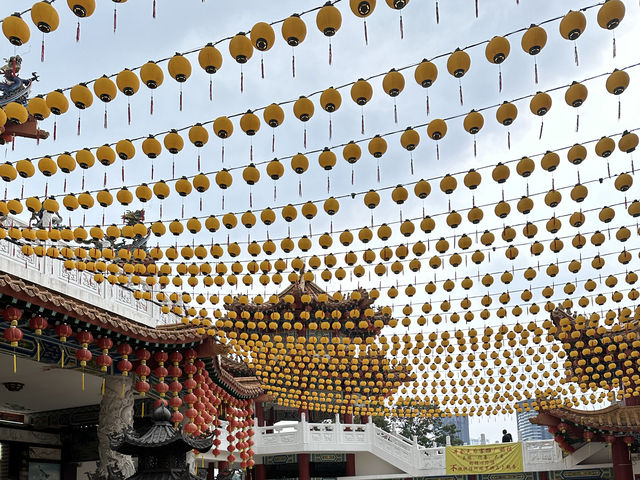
x=143 y=371
x=12 y=334
x=161 y=372
x=104 y=361
x=83 y=354
x=124 y=365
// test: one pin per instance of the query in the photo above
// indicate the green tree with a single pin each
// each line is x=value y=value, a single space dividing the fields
x=430 y=432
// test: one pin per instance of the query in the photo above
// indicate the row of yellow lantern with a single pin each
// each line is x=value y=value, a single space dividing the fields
x=506 y=114
x=399 y=195
x=298 y=264
x=262 y=38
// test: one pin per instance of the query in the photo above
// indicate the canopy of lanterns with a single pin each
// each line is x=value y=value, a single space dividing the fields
x=467 y=259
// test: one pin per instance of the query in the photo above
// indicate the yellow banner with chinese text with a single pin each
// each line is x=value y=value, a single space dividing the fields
x=479 y=459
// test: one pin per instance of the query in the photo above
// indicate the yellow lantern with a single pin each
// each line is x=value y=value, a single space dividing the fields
x=16 y=30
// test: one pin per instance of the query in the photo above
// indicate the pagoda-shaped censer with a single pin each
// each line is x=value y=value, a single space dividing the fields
x=162 y=450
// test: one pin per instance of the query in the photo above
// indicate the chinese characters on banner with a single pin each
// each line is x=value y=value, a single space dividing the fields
x=499 y=458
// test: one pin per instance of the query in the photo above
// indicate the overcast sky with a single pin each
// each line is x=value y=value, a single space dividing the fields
x=187 y=25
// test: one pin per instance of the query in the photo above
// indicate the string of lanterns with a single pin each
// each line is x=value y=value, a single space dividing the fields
x=211 y=61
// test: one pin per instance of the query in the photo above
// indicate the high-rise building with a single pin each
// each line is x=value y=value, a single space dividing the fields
x=528 y=431
x=462 y=428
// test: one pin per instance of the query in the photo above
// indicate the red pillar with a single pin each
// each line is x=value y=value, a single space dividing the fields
x=622 y=469
x=260 y=471
x=351 y=464
x=347 y=418
x=223 y=467
x=304 y=468
x=364 y=419
x=260 y=414
x=543 y=475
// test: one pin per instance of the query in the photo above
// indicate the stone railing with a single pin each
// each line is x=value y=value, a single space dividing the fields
x=50 y=273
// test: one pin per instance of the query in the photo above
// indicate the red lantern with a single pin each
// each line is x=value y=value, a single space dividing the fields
x=563 y=427
x=12 y=314
x=124 y=365
x=63 y=331
x=13 y=335
x=610 y=438
x=83 y=354
x=177 y=418
x=628 y=439
x=38 y=324
x=143 y=371
x=588 y=435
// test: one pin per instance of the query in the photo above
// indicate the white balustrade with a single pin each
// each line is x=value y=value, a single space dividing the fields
x=51 y=274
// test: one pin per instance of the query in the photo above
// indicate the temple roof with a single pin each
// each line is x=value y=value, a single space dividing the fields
x=615 y=418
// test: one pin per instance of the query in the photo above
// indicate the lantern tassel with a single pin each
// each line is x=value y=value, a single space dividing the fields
x=115 y=19
x=198 y=161
x=38 y=351
x=15 y=366
x=78 y=32
x=273 y=141
x=461 y=97
x=210 y=89
x=330 y=54
x=477 y=9
x=123 y=172
x=437 y=13
x=251 y=152
x=250 y=199
x=401 y=28
x=42 y=49
x=395 y=112
x=535 y=70
x=577 y=121
x=300 y=187
x=437 y=152
x=475 y=148
x=362 y=120
x=102 y=387
x=378 y=172
x=614 y=45
x=122 y=391
x=293 y=65
x=154 y=9
x=152 y=170
x=330 y=128
x=499 y=80
x=619 y=108
x=106 y=116
x=62 y=358
x=352 y=175
x=262 y=67
x=575 y=54
x=305 y=137
x=275 y=192
x=509 y=140
x=78 y=124
x=142 y=409
x=541 y=128
x=83 y=380
x=428 y=106
x=151 y=105
x=200 y=203
x=366 y=34
x=241 y=81
x=64 y=186
x=55 y=130
x=328 y=183
x=180 y=97
x=128 y=112
x=411 y=166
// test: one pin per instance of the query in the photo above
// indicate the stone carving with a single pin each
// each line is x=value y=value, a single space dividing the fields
x=116 y=415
